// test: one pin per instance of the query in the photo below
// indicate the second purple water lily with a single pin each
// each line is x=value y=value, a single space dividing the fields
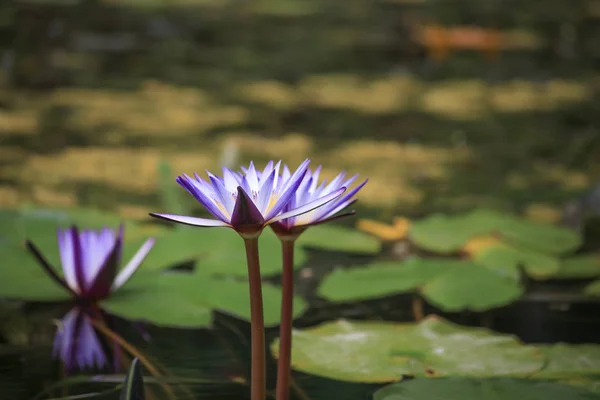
x=90 y=261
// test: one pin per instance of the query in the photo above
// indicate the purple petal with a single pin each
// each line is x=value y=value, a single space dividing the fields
x=344 y=201
x=245 y=212
x=252 y=178
x=231 y=180
x=223 y=196
x=329 y=219
x=265 y=192
x=310 y=206
x=95 y=249
x=78 y=260
x=48 y=267
x=291 y=186
x=201 y=196
x=101 y=285
x=65 y=246
x=267 y=170
x=315 y=181
x=341 y=203
x=133 y=265
x=182 y=219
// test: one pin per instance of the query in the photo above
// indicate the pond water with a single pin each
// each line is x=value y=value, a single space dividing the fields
x=213 y=363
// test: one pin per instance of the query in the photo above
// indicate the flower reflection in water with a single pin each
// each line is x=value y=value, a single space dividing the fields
x=80 y=346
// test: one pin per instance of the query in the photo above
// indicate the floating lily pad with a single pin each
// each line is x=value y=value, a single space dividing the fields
x=384 y=352
x=337 y=238
x=21 y=277
x=377 y=279
x=579 y=267
x=481 y=389
x=447 y=234
x=570 y=360
x=173 y=299
x=506 y=260
x=190 y=244
x=444 y=234
x=500 y=259
x=464 y=285
x=539 y=236
x=233 y=297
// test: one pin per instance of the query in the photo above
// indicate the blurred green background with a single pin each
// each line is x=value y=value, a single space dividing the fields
x=95 y=93
x=445 y=105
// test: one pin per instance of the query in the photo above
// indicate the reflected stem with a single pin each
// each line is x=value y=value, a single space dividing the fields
x=258 y=390
x=285 y=328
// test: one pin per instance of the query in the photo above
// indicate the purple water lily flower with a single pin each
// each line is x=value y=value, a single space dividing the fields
x=309 y=190
x=90 y=260
x=77 y=343
x=248 y=201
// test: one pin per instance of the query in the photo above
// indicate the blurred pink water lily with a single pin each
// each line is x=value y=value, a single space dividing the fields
x=90 y=260
x=77 y=343
x=248 y=201
x=309 y=190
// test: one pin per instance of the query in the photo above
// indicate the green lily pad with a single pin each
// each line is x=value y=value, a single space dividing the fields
x=189 y=244
x=481 y=389
x=501 y=259
x=233 y=297
x=377 y=279
x=228 y=257
x=544 y=238
x=22 y=277
x=464 y=285
x=579 y=267
x=569 y=360
x=338 y=238
x=506 y=260
x=444 y=234
x=593 y=289
x=384 y=352
x=173 y=299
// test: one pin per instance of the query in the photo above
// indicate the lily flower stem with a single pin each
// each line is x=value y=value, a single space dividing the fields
x=258 y=369
x=285 y=328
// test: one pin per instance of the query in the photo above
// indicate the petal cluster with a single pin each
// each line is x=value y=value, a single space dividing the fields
x=251 y=198
x=77 y=343
x=309 y=191
x=90 y=261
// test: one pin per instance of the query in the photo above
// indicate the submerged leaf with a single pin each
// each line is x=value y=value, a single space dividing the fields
x=481 y=389
x=384 y=352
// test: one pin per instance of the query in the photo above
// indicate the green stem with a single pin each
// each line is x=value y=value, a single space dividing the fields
x=258 y=373
x=285 y=328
